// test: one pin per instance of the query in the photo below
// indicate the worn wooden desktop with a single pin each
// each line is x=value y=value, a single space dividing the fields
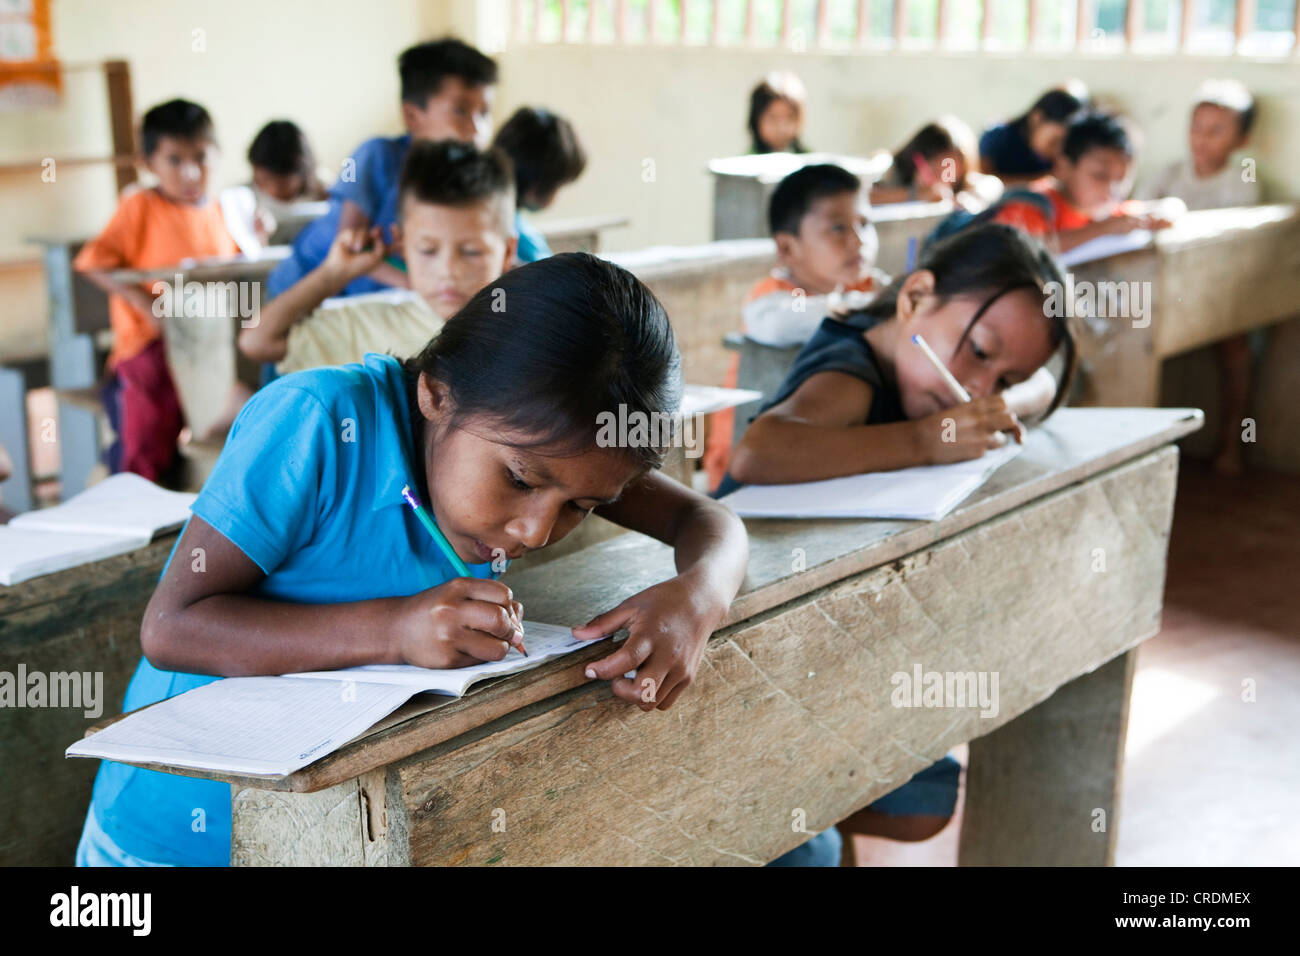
x=1215 y=274
x=1050 y=576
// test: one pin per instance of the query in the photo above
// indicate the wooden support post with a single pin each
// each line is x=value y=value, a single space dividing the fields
x=1044 y=789
x=121 y=118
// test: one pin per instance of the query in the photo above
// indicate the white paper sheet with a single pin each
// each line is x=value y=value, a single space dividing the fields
x=122 y=504
x=1105 y=246
x=706 y=399
x=26 y=553
x=924 y=493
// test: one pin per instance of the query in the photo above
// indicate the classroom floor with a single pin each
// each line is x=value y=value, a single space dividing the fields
x=1209 y=779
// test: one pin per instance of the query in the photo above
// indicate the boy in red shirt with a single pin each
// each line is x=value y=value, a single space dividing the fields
x=154 y=228
x=1091 y=175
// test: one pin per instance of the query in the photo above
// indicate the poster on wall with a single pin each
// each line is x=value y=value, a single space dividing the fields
x=29 y=73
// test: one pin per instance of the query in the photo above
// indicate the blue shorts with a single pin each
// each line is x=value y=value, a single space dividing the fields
x=932 y=792
x=98 y=849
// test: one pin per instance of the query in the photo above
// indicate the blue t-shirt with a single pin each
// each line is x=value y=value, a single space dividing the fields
x=532 y=244
x=309 y=486
x=370 y=178
x=1006 y=147
x=838 y=345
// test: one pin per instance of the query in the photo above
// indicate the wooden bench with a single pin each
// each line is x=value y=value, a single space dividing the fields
x=790 y=718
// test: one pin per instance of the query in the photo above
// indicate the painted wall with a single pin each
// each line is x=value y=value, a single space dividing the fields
x=330 y=65
x=681 y=107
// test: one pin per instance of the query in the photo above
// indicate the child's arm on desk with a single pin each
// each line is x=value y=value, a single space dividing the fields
x=208 y=623
x=669 y=624
x=348 y=258
x=1067 y=239
x=817 y=433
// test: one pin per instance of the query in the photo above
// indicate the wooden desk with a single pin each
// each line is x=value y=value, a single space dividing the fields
x=580 y=234
x=201 y=349
x=791 y=709
x=1215 y=274
x=742 y=191
x=83 y=619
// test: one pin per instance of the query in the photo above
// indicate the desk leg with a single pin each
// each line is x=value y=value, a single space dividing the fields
x=72 y=365
x=17 y=488
x=1036 y=784
x=343 y=825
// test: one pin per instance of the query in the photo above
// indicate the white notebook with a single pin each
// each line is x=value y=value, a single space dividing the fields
x=276 y=725
x=924 y=493
x=121 y=513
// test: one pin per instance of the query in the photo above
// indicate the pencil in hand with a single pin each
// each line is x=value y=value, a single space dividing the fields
x=454 y=559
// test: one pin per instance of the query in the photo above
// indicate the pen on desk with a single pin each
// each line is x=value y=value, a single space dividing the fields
x=955 y=386
x=443 y=544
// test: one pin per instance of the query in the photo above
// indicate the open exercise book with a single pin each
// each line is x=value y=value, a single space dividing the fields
x=120 y=514
x=271 y=726
x=924 y=493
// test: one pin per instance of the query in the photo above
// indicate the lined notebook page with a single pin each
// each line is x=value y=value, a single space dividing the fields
x=924 y=493
x=248 y=725
x=276 y=725
x=544 y=642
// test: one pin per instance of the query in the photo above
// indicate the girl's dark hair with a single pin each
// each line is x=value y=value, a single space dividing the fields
x=775 y=86
x=990 y=260
x=1058 y=105
x=544 y=149
x=944 y=135
x=282 y=148
x=549 y=346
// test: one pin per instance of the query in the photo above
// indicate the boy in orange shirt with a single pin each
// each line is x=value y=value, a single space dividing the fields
x=1091 y=175
x=154 y=228
x=826 y=247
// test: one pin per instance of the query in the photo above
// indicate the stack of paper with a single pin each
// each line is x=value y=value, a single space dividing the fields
x=276 y=725
x=923 y=493
x=119 y=514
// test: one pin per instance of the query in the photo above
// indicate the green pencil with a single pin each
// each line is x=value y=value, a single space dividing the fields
x=441 y=541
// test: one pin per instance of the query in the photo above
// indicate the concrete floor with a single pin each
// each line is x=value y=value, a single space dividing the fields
x=1210 y=778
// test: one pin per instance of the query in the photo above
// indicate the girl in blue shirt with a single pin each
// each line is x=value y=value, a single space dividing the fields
x=301 y=554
